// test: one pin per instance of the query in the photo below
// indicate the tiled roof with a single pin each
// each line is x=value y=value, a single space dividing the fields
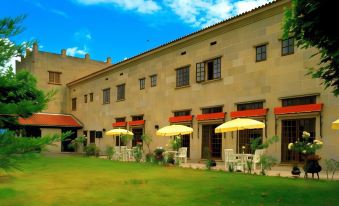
x=50 y=120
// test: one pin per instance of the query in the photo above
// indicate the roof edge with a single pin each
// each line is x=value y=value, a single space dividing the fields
x=179 y=40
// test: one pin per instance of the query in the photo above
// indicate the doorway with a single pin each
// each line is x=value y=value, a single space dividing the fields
x=138 y=132
x=211 y=141
x=291 y=131
x=65 y=144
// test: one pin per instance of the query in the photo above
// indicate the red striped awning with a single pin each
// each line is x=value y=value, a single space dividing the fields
x=119 y=124
x=50 y=120
x=186 y=118
x=249 y=113
x=298 y=109
x=136 y=122
x=211 y=116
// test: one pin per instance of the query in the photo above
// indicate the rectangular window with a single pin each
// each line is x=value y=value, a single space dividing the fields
x=142 y=83
x=213 y=70
x=211 y=110
x=106 y=96
x=182 y=113
x=200 y=76
x=120 y=119
x=74 y=104
x=98 y=134
x=91 y=97
x=85 y=98
x=249 y=106
x=287 y=46
x=260 y=53
x=183 y=76
x=54 y=77
x=137 y=117
x=153 y=80
x=120 y=92
x=299 y=101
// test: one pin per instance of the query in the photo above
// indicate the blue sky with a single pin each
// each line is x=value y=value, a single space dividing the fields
x=116 y=28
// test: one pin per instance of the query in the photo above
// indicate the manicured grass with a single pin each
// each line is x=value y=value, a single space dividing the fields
x=90 y=181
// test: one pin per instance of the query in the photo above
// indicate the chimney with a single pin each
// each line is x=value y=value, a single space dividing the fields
x=87 y=56
x=109 y=60
x=63 y=52
x=35 y=47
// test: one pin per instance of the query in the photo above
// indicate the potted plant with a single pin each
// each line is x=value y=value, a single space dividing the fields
x=308 y=149
x=295 y=170
x=176 y=143
x=158 y=154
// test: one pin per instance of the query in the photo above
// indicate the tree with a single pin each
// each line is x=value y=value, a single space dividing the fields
x=310 y=22
x=19 y=97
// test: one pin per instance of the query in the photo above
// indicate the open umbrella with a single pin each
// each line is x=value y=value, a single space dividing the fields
x=173 y=130
x=119 y=132
x=239 y=124
x=335 y=124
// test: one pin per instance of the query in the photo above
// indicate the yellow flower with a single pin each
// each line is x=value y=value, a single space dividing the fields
x=306 y=134
x=290 y=145
x=304 y=151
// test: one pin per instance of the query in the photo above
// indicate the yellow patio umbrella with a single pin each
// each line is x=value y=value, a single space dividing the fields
x=119 y=132
x=173 y=130
x=335 y=124
x=239 y=124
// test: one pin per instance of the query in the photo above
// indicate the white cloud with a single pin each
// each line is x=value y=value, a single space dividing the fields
x=203 y=13
x=75 y=51
x=141 y=6
x=83 y=35
x=60 y=13
x=247 y=5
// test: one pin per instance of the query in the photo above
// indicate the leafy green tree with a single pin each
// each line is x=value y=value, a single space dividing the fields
x=311 y=23
x=19 y=97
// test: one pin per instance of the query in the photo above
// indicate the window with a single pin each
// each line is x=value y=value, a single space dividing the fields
x=260 y=53
x=106 y=96
x=74 y=104
x=138 y=117
x=299 y=101
x=91 y=97
x=142 y=83
x=91 y=136
x=183 y=76
x=153 y=80
x=98 y=134
x=85 y=98
x=200 y=72
x=213 y=70
x=121 y=92
x=287 y=46
x=249 y=106
x=182 y=113
x=54 y=77
x=211 y=110
x=120 y=119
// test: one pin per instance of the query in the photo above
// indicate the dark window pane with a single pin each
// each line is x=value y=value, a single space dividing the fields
x=121 y=92
x=106 y=96
x=182 y=76
x=299 y=101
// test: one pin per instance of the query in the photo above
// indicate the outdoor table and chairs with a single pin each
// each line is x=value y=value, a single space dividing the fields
x=242 y=160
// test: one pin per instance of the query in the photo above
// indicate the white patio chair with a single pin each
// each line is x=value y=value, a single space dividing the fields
x=182 y=154
x=117 y=153
x=256 y=158
x=230 y=158
x=124 y=154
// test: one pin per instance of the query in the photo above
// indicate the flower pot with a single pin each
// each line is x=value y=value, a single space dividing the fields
x=295 y=171
x=312 y=165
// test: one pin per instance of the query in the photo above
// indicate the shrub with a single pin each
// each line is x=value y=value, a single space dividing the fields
x=267 y=162
x=110 y=152
x=137 y=153
x=92 y=150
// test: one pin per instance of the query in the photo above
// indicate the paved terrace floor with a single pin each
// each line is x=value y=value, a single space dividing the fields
x=278 y=170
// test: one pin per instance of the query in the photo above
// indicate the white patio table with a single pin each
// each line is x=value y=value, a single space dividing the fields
x=243 y=157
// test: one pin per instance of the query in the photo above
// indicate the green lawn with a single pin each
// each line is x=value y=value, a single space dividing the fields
x=89 y=181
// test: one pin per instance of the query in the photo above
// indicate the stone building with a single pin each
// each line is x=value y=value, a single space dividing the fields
x=240 y=67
